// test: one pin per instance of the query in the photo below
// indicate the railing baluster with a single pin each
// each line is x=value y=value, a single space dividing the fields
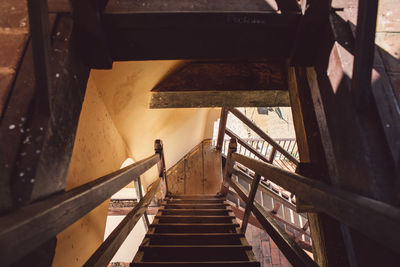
x=249 y=203
x=139 y=193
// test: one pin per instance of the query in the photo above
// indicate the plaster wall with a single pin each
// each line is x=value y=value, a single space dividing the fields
x=98 y=150
x=125 y=91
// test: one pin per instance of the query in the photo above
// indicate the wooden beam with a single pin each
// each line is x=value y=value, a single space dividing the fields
x=286 y=244
x=364 y=53
x=335 y=202
x=198 y=99
x=328 y=243
x=50 y=216
x=104 y=254
x=226 y=76
x=263 y=135
x=198 y=29
x=250 y=202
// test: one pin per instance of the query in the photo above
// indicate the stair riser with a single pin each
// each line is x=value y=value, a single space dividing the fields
x=193 y=254
x=195 y=240
x=194 y=229
x=199 y=264
x=195 y=206
x=195 y=220
x=196 y=212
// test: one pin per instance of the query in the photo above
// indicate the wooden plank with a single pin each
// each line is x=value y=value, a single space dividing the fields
x=221 y=128
x=339 y=204
x=197 y=99
x=286 y=244
x=212 y=168
x=104 y=254
x=246 y=145
x=89 y=30
x=225 y=76
x=194 y=173
x=262 y=134
x=52 y=215
x=250 y=200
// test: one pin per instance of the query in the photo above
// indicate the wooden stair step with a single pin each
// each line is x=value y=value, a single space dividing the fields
x=195 y=201
x=192 y=253
x=199 y=264
x=194 y=219
x=195 y=239
x=195 y=206
x=196 y=197
x=195 y=228
x=195 y=211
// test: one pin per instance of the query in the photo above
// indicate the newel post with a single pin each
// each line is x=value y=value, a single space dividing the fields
x=228 y=167
x=221 y=129
x=162 y=173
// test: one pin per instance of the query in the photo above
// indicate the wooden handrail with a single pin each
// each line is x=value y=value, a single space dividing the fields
x=246 y=145
x=32 y=225
x=263 y=135
x=375 y=219
x=249 y=202
x=104 y=254
x=293 y=252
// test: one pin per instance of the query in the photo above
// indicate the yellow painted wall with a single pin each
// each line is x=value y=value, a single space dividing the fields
x=126 y=93
x=98 y=150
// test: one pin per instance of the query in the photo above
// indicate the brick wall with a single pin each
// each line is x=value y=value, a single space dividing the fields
x=388 y=40
x=13 y=39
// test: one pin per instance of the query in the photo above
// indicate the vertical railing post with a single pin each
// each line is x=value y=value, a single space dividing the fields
x=272 y=156
x=250 y=200
x=162 y=173
x=228 y=167
x=222 y=126
x=139 y=193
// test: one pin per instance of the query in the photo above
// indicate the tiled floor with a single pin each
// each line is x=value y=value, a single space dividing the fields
x=264 y=248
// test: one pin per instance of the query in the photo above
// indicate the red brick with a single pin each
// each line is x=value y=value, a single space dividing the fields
x=13 y=14
x=273 y=245
x=265 y=247
x=11 y=48
x=275 y=256
x=267 y=262
x=284 y=261
x=5 y=86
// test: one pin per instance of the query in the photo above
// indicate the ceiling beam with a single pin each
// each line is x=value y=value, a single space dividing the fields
x=206 y=99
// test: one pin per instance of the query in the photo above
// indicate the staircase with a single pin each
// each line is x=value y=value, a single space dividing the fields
x=195 y=230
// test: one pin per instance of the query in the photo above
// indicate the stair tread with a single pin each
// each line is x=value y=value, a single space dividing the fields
x=201 y=263
x=196 y=246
